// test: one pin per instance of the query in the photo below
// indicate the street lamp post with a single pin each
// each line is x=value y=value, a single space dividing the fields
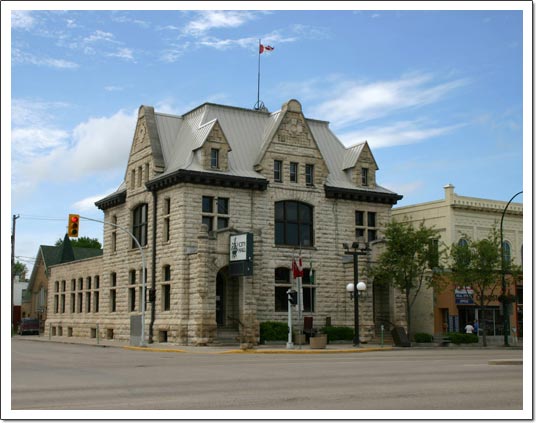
x=503 y=277
x=357 y=249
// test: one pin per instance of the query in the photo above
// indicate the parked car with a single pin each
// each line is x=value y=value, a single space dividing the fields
x=28 y=325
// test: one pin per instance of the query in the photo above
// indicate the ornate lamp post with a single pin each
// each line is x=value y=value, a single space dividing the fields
x=505 y=311
x=358 y=248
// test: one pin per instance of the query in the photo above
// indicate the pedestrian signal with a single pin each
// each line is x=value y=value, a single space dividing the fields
x=74 y=222
x=292 y=296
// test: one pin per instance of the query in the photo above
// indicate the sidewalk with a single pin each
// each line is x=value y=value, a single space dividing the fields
x=212 y=349
x=334 y=348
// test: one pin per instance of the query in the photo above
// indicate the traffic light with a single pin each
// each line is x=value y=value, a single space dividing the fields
x=292 y=296
x=74 y=222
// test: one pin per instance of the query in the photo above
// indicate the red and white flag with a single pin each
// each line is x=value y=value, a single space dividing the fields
x=262 y=48
x=297 y=268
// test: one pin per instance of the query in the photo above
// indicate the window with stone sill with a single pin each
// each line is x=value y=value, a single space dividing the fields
x=365 y=229
x=166 y=224
x=278 y=171
x=364 y=176
x=309 y=174
x=139 y=225
x=214 y=158
x=293 y=224
x=166 y=297
x=293 y=172
x=215 y=212
x=73 y=303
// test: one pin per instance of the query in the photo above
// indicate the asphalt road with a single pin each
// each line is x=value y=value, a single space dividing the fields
x=53 y=376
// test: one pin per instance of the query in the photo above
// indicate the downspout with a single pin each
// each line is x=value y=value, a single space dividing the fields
x=152 y=292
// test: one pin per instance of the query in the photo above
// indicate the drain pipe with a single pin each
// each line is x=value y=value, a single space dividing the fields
x=152 y=292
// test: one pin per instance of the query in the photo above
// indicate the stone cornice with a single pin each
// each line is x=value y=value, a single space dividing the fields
x=207 y=178
x=112 y=200
x=361 y=195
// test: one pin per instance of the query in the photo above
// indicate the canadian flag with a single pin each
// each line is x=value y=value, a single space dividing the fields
x=297 y=268
x=262 y=47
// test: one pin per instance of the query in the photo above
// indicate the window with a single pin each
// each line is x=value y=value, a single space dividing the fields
x=139 y=225
x=80 y=302
x=62 y=286
x=80 y=283
x=132 y=178
x=282 y=285
x=62 y=303
x=73 y=284
x=214 y=158
x=56 y=307
x=88 y=282
x=132 y=291
x=112 y=300
x=167 y=273
x=113 y=279
x=309 y=174
x=166 y=297
x=215 y=216
x=140 y=171
x=96 y=301
x=146 y=173
x=364 y=176
x=293 y=223
x=88 y=302
x=56 y=286
x=114 y=234
x=73 y=303
x=308 y=289
x=366 y=230
x=167 y=211
x=97 y=282
x=278 y=168
x=293 y=172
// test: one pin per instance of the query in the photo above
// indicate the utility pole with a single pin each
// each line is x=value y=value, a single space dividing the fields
x=15 y=217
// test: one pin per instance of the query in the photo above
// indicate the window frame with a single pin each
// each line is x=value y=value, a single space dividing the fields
x=278 y=171
x=140 y=216
x=293 y=172
x=288 y=222
x=309 y=174
x=214 y=158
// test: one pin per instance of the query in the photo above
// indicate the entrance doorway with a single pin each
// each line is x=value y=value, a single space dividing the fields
x=227 y=312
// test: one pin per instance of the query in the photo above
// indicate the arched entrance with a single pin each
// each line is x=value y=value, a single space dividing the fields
x=227 y=304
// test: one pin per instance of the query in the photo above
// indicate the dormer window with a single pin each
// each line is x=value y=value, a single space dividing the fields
x=364 y=176
x=214 y=158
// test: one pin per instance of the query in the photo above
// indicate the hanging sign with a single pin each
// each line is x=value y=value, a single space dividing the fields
x=464 y=295
x=241 y=254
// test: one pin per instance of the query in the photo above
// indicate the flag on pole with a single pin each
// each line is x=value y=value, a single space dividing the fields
x=311 y=272
x=297 y=268
x=262 y=48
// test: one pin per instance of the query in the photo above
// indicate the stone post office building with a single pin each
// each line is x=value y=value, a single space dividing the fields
x=194 y=180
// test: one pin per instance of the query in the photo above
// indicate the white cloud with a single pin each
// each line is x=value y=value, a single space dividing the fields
x=19 y=56
x=400 y=133
x=353 y=102
x=405 y=189
x=97 y=145
x=88 y=204
x=99 y=36
x=22 y=19
x=122 y=53
x=210 y=19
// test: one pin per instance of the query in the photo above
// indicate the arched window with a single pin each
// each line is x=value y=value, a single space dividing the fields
x=293 y=223
x=139 y=225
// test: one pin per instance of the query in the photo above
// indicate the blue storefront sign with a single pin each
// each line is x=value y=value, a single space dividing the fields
x=464 y=295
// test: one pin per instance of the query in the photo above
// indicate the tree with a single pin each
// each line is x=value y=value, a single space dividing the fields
x=82 y=242
x=20 y=269
x=476 y=264
x=410 y=260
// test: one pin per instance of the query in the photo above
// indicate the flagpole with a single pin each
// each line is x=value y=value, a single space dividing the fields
x=257 y=106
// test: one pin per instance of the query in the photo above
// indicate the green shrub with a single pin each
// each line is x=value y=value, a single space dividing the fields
x=423 y=337
x=338 y=333
x=273 y=331
x=462 y=338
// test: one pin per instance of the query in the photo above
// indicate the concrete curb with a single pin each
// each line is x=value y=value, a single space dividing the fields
x=518 y=362
x=260 y=351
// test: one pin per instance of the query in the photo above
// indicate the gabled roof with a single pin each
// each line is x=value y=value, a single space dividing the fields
x=248 y=133
x=51 y=255
x=352 y=155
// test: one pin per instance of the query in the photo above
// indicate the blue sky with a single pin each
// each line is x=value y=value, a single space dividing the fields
x=437 y=94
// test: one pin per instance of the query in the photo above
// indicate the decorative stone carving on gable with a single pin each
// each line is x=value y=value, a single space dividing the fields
x=145 y=159
x=291 y=140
